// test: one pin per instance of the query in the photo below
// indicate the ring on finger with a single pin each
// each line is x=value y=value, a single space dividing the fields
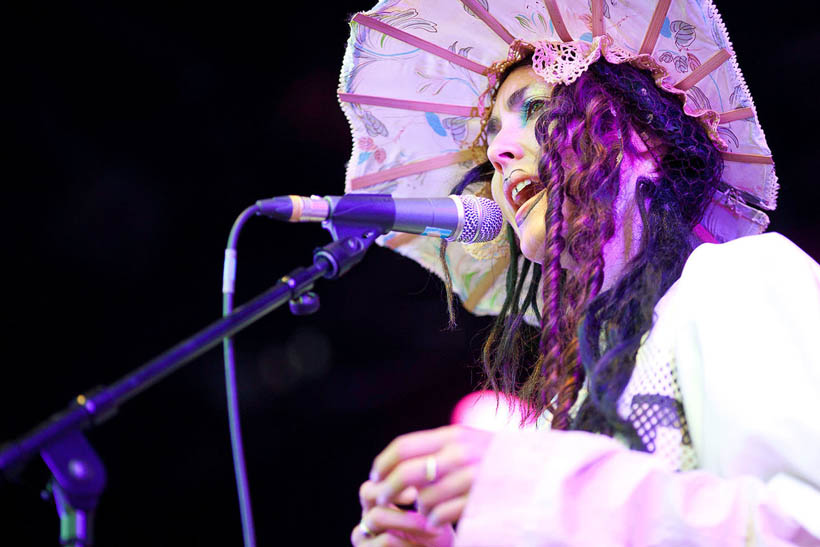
x=430 y=468
x=366 y=531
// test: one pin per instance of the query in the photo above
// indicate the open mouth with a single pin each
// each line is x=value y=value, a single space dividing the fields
x=522 y=192
x=524 y=210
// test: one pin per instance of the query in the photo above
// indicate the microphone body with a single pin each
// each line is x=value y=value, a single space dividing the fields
x=468 y=219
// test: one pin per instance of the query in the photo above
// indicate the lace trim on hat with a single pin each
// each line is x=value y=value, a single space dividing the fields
x=564 y=62
x=771 y=178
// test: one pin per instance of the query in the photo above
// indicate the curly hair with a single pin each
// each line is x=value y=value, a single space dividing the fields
x=587 y=334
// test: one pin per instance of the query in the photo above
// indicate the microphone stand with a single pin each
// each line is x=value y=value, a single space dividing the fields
x=78 y=474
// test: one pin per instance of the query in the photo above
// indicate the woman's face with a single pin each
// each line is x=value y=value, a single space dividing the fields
x=514 y=152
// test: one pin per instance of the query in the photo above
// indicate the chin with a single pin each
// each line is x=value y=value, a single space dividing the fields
x=531 y=238
x=533 y=250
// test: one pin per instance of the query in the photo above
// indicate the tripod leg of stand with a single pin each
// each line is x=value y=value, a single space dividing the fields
x=78 y=480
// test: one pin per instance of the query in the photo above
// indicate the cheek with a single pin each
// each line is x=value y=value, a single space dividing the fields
x=495 y=187
x=532 y=141
x=533 y=234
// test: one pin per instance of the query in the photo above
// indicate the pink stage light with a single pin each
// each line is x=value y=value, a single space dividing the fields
x=482 y=410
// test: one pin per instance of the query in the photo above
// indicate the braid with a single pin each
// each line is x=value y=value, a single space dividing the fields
x=573 y=378
x=448 y=285
x=550 y=343
x=542 y=385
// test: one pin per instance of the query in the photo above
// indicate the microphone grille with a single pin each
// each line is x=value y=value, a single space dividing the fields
x=482 y=220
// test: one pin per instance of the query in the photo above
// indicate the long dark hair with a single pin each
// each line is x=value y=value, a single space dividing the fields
x=586 y=333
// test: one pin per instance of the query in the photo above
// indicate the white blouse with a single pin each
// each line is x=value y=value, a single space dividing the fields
x=726 y=396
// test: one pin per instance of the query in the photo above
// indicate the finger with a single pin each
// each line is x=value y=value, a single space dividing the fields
x=409 y=446
x=356 y=536
x=411 y=473
x=448 y=512
x=367 y=495
x=369 y=490
x=420 y=472
x=455 y=484
x=384 y=519
x=408 y=496
x=361 y=536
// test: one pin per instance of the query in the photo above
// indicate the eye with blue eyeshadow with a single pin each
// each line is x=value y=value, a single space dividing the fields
x=531 y=107
x=528 y=109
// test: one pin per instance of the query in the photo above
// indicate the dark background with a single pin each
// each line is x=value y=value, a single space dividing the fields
x=136 y=134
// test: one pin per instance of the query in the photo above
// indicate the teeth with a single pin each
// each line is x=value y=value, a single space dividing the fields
x=520 y=186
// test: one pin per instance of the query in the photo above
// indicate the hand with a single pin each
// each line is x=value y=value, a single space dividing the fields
x=440 y=463
x=392 y=526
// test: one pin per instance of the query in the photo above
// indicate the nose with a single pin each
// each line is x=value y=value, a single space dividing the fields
x=504 y=150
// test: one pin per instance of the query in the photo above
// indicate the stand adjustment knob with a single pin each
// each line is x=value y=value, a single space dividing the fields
x=305 y=304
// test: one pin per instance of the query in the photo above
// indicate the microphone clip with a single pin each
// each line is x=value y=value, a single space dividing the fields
x=350 y=242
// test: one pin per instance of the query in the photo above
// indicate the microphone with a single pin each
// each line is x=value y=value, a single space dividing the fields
x=468 y=219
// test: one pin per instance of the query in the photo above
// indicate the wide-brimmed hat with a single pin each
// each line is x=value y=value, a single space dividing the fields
x=418 y=75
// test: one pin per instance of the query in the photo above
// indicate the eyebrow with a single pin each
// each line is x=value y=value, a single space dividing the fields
x=516 y=98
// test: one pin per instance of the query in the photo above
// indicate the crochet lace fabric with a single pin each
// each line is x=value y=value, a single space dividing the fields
x=563 y=63
x=652 y=403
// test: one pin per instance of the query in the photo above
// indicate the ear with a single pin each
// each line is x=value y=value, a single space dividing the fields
x=639 y=141
x=643 y=155
x=643 y=142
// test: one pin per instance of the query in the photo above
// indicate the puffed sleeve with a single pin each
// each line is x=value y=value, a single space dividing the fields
x=747 y=323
